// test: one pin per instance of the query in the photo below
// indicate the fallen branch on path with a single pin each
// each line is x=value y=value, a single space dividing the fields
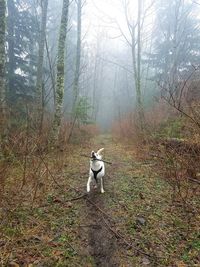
x=91 y=202
x=116 y=234
x=120 y=236
x=99 y=209
x=90 y=225
x=59 y=201
x=83 y=195
x=194 y=180
x=108 y=162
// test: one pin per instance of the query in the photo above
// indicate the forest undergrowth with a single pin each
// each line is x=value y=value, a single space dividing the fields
x=53 y=222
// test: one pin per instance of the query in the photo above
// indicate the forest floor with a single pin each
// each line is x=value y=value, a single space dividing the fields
x=133 y=224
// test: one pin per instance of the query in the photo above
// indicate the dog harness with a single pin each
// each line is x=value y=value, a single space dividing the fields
x=95 y=173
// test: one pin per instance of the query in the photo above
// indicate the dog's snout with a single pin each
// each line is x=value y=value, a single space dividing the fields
x=93 y=154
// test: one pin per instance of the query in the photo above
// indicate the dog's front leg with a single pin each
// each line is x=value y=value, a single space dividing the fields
x=102 y=190
x=88 y=184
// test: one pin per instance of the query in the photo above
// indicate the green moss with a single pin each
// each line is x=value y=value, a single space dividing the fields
x=12 y=231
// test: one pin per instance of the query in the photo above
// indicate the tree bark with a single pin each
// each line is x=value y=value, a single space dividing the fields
x=39 y=81
x=138 y=78
x=2 y=58
x=78 y=53
x=3 y=107
x=60 y=70
x=11 y=55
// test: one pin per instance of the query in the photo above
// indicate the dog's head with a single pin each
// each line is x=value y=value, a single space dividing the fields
x=97 y=155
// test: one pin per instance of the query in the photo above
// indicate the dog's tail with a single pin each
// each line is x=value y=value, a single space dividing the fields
x=100 y=151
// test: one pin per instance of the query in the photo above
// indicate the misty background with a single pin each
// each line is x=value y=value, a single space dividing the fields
x=131 y=54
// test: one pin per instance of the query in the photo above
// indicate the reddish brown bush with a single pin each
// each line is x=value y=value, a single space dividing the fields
x=178 y=164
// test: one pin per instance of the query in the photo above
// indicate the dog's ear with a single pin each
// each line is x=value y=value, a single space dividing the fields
x=99 y=152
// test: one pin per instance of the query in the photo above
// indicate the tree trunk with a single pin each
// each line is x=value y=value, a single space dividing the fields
x=11 y=55
x=78 y=53
x=138 y=85
x=77 y=70
x=39 y=82
x=137 y=68
x=2 y=59
x=4 y=120
x=60 y=70
x=94 y=88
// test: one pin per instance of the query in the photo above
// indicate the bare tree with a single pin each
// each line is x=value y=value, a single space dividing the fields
x=134 y=41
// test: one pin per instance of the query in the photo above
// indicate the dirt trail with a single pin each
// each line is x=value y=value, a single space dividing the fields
x=110 y=234
x=114 y=234
x=102 y=243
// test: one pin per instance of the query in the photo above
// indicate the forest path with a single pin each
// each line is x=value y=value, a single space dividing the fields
x=129 y=225
x=103 y=213
x=102 y=243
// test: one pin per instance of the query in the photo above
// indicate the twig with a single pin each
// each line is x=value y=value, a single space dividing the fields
x=89 y=225
x=77 y=198
x=99 y=209
x=108 y=162
x=91 y=202
x=194 y=180
x=120 y=236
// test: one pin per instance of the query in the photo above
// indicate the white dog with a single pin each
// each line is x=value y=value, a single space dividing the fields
x=97 y=169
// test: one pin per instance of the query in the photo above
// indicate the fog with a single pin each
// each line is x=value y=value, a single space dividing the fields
x=118 y=54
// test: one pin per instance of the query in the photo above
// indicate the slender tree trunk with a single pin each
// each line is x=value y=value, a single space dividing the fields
x=11 y=55
x=2 y=59
x=32 y=51
x=173 y=67
x=100 y=74
x=60 y=70
x=77 y=70
x=3 y=107
x=78 y=53
x=138 y=87
x=94 y=88
x=39 y=82
x=136 y=49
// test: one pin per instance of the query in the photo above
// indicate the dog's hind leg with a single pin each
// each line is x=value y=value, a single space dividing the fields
x=88 y=184
x=102 y=190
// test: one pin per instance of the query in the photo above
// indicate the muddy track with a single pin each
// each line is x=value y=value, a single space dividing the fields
x=102 y=244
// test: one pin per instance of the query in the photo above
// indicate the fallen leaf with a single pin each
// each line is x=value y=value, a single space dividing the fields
x=181 y=264
x=145 y=261
x=13 y=264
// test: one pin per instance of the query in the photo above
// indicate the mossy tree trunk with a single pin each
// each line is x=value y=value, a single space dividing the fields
x=3 y=115
x=60 y=70
x=2 y=84
x=2 y=63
